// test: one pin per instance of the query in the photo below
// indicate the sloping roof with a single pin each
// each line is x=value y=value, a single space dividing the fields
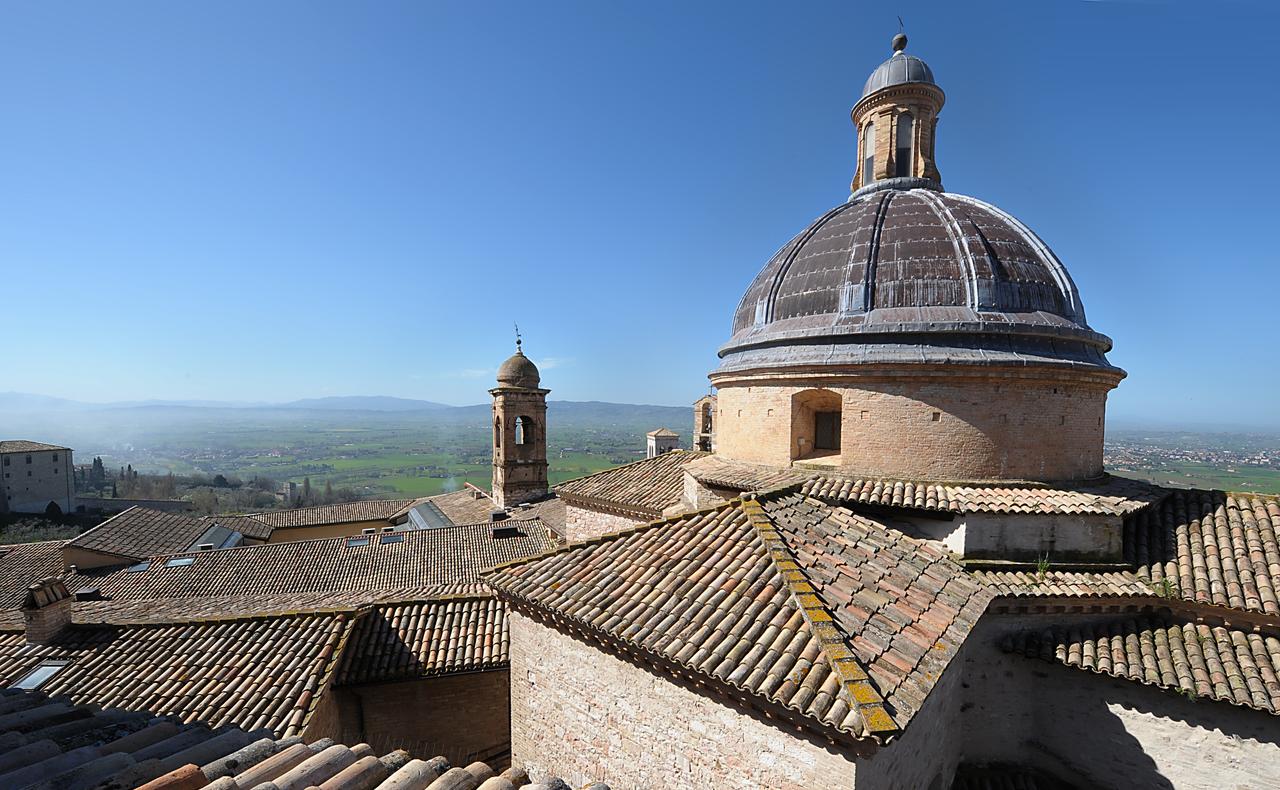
x=905 y=605
x=662 y=432
x=26 y=446
x=254 y=672
x=835 y=619
x=1116 y=496
x=248 y=526
x=131 y=749
x=390 y=561
x=464 y=506
x=1202 y=547
x=141 y=532
x=643 y=488
x=720 y=472
x=323 y=515
x=426 y=638
x=1219 y=663
x=23 y=564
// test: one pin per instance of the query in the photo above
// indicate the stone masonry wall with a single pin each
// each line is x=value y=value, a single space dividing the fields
x=581 y=523
x=585 y=715
x=951 y=428
x=1106 y=732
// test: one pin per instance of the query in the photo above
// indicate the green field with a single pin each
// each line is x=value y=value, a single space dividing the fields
x=1194 y=475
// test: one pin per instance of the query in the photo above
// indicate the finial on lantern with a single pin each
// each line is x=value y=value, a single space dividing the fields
x=518 y=351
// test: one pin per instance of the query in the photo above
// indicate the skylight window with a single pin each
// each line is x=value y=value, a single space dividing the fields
x=40 y=675
x=360 y=541
x=395 y=537
x=179 y=562
x=141 y=566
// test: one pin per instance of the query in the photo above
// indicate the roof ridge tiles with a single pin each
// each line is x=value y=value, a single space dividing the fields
x=859 y=690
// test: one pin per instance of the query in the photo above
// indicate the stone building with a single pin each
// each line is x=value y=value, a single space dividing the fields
x=37 y=478
x=662 y=440
x=905 y=517
x=704 y=423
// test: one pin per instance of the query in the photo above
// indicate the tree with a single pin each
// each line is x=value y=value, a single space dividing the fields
x=306 y=490
x=328 y=492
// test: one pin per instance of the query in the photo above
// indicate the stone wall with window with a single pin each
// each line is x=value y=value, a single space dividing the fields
x=30 y=481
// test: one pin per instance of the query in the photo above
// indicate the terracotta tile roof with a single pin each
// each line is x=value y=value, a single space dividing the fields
x=1067 y=584
x=787 y=601
x=26 y=446
x=719 y=472
x=254 y=673
x=1210 y=547
x=1202 y=547
x=23 y=564
x=1116 y=496
x=426 y=638
x=179 y=610
x=465 y=506
x=84 y=746
x=1218 y=663
x=903 y=603
x=322 y=515
x=643 y=489
x=549 y=511
x=248 y=526
x=389 y=561
x=141 y=532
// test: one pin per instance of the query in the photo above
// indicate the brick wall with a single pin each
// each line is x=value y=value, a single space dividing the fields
x=948 y=428
x=581 y=523
x=1105 y=732
x=463 y=717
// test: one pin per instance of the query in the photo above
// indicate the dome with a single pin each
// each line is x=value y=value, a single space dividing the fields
x=899 y=69
x=905 y=273
x=519 y=371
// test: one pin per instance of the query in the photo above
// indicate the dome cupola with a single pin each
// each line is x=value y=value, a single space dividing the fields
x=914 y=333
x=519 y=371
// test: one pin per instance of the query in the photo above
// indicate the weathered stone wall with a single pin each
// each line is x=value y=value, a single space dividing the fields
x=585 y=715
x=1105 y=732
x=1030 y=536
x=945 y=428
x=30 y=487
x=581 y=523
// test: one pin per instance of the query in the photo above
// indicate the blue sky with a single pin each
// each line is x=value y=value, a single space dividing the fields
x=268 y=201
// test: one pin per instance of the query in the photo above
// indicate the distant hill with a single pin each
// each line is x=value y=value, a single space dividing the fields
x=364 y=403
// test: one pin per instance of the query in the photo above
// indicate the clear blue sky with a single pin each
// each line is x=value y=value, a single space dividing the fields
x=268 y=201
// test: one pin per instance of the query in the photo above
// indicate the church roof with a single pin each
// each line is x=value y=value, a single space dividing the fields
x=899 y=69
x=643 y=489
x=908 y=274
x=519 y=371
x=1214 y=662
x=786 y=603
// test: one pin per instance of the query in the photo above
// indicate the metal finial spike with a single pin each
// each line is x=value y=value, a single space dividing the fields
x=517 y=337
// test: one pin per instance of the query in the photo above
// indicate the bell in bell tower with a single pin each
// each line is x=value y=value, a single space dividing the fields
x=519 y=432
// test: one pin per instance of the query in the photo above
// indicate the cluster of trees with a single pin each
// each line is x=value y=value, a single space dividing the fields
x=307 y=495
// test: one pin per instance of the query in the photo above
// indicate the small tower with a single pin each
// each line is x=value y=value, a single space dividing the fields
x=896 y=120
x=704 y=423
x=663 y=440
x=519 y=432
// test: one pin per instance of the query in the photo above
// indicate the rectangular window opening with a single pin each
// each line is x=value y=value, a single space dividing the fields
x=395 y=537
x=357 y=541
x=179 y=562
x=141 y=566
x=40 y=675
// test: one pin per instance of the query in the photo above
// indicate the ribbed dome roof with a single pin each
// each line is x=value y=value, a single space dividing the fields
x=899 y=69
x=519 y=371
x=905 y=273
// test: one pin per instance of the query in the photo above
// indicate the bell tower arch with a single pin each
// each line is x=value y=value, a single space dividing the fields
x=519 y=432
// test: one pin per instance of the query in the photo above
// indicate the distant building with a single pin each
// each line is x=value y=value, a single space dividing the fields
x=663 y=440
x=519 y=432
x=36 y=477
x=704 y=424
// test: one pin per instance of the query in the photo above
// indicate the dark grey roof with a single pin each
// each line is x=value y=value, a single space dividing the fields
x=912 y=274
x=899 y=69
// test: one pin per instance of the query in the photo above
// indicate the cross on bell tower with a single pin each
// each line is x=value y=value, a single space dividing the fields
x=519 y=431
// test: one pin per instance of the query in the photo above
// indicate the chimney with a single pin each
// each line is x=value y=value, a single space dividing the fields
x=497 y=514
x=46 y=610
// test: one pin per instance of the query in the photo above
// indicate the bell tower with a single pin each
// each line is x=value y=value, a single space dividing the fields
x=519 y=432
